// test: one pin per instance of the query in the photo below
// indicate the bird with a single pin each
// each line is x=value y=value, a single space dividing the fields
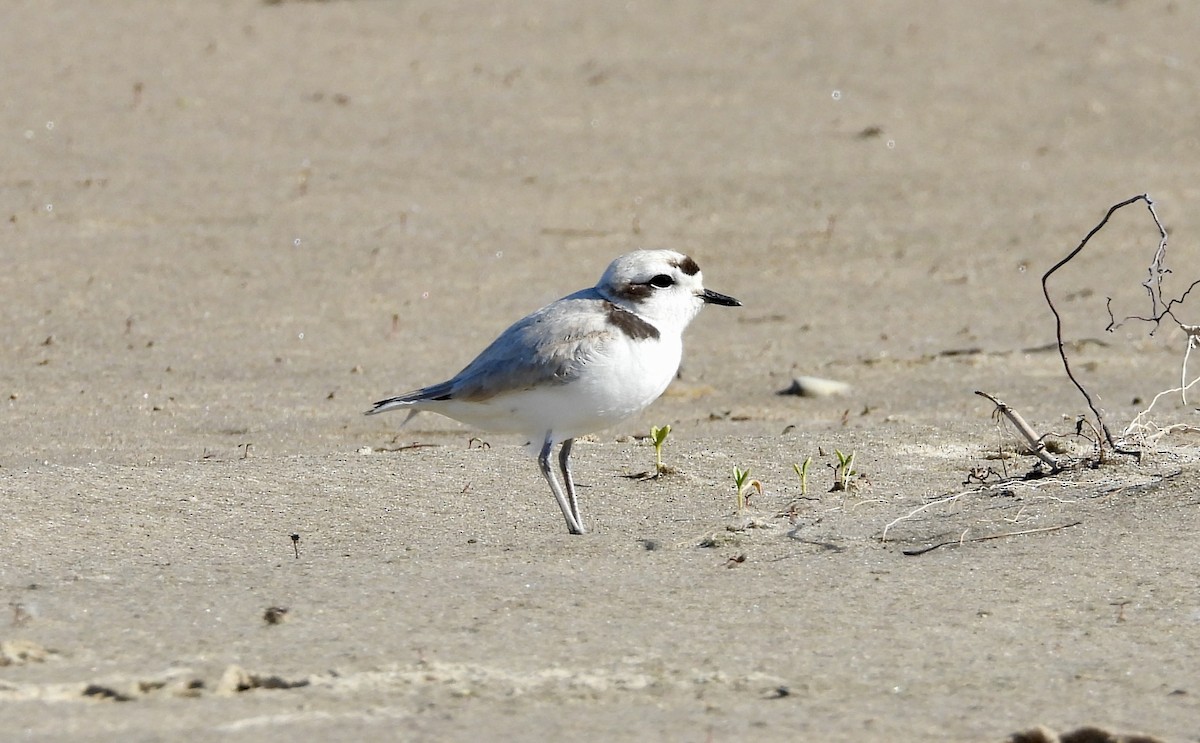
x=578 y=365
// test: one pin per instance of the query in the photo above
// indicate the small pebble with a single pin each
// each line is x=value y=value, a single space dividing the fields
x=816 y=387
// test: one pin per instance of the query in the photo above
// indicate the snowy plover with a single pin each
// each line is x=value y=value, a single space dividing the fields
x=578 y=365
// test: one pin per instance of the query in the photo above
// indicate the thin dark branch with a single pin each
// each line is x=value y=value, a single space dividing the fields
x=1157 y=269
x=1058 y=324
x=1155 y=319
x=1153 y=284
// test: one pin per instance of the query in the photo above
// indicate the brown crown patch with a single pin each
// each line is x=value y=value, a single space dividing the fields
x=687 y=265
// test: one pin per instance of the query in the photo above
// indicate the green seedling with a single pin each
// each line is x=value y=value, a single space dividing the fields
x=843 y=472
x=743 y=484
x=659 y=437
x=802 y=471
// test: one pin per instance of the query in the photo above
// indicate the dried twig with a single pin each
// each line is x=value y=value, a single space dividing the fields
x=1036 y=443
x=923 y=550
x=948 y=499
x=406 y=447
x=1154 y=281
x=1193 y=338
x=1160 y=309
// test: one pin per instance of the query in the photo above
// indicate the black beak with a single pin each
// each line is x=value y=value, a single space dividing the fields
x=711 y=297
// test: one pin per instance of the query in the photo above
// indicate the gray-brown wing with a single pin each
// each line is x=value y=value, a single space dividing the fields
x=549 y=346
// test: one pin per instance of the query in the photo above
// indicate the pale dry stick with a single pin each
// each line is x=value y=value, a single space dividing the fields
x=1160 y=432
x=1192 y=332
x=1000 y=449
x=1015 y=519
x=1137 y=426
x=930 y=504
x=1035 y=442
x=950 y=499
x=1175 y=428
x=1137 y=423
x=861 y=503
x=1056 y=499
x=923 y=550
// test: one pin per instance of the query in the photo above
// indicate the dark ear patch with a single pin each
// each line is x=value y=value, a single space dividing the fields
x=687 y=265
x=633 y=292
x=630 y=324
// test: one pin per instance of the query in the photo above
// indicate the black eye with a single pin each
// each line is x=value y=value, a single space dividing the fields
x=662 y=281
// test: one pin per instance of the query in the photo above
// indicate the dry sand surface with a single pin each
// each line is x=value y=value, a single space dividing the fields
x=228 y=226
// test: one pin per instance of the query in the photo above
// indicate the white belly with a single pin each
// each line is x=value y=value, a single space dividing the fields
x=607 y=390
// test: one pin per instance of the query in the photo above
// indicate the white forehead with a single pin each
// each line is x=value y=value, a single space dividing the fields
x=641 y=265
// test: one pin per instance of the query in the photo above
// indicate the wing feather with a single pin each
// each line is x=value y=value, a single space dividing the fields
x=549 y=346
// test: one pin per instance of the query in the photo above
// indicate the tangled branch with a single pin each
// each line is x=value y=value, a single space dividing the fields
x=1159 y=308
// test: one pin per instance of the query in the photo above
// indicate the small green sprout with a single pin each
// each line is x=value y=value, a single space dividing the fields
x=743 y=484
x=659 y=437
x=802 y=471
x=844 y=473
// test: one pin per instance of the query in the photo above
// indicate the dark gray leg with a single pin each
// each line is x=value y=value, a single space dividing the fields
x=564 y=463
x=573 y=525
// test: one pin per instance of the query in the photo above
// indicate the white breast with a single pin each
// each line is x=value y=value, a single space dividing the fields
x=618 y=381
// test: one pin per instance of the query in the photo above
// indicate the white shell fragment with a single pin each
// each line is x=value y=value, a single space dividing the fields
x=816 y=387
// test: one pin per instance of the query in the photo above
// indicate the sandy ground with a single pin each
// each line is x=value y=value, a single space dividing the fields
x=227 y=227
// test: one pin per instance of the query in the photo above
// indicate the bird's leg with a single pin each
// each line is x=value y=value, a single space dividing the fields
x=573 y=525
x=564 y=463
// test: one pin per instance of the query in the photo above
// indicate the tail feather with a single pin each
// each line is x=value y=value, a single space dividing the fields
x=409 y=399
x=392 y=403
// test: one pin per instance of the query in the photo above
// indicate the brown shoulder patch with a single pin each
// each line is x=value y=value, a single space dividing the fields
x=630 y=324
